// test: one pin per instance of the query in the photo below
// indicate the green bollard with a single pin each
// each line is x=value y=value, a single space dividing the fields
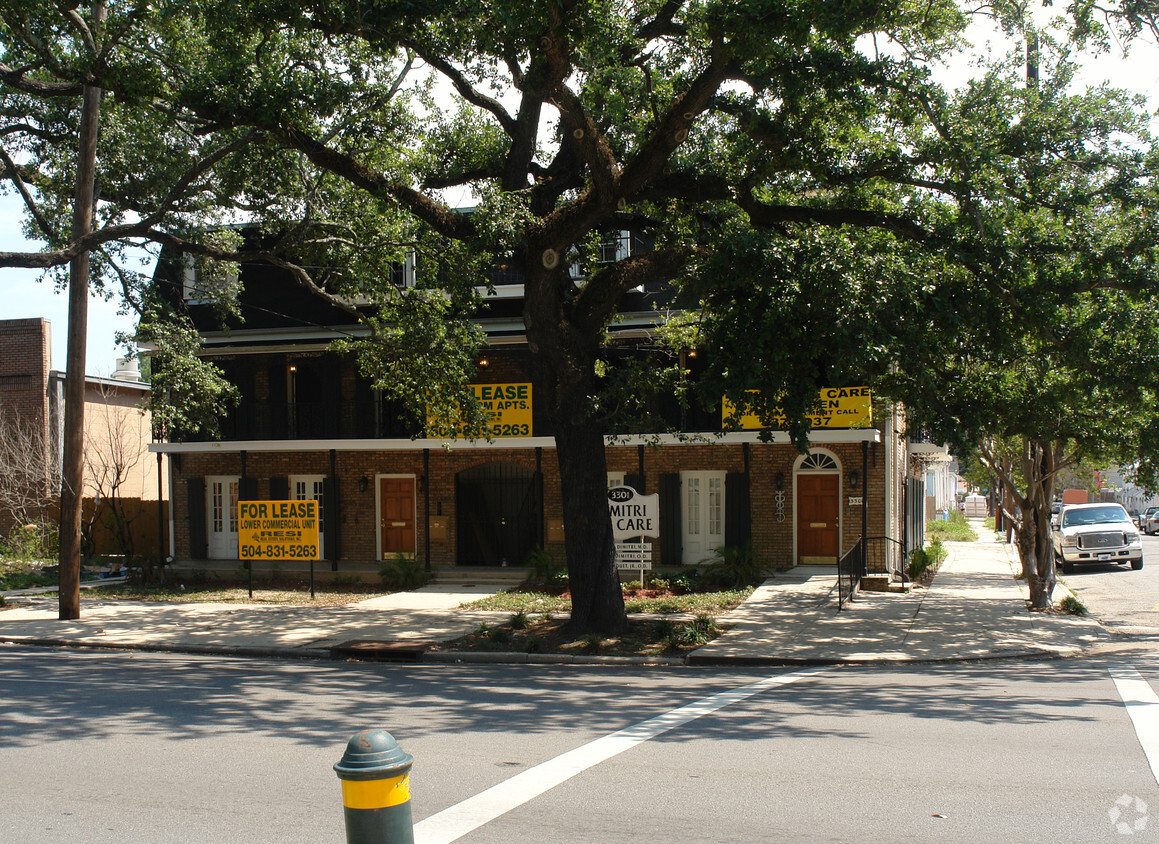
x=376 y=789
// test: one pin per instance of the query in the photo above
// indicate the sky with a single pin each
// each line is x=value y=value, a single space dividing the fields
x=23 y=294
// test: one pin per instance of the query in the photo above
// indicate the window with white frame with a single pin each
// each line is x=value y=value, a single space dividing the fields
x=311 y=488
x=702 y=514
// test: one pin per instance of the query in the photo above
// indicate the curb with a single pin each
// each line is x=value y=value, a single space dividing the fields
x=195 y=650
x=515 y=658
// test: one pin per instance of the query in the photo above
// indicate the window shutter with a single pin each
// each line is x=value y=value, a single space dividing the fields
x=671 y=545
x=280 y=489
x=636 y=482
x=330 y=521
x=195 y=507
x=737 y=519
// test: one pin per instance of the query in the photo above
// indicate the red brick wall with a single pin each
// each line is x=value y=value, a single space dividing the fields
x=772 y=530
x=25 y=358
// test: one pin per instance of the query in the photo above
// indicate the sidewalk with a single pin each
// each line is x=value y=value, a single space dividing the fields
x=974 y=609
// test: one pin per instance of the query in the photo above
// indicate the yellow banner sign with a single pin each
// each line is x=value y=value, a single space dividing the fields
x=509 y=406
x=277 y=530
x=837 y=407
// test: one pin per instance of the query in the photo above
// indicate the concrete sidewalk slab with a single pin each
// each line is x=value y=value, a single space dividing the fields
x=234 y=627
x=975 y=608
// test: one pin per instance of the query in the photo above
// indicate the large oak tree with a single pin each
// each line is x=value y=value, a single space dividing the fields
x=804 y=181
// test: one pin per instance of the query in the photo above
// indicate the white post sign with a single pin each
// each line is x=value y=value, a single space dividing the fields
x=634 y=518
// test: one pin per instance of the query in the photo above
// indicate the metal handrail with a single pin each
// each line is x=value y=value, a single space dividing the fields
x=885 y=555
x=850 y=570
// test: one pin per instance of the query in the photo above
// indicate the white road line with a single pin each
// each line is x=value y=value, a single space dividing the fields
x=1143 y=706
x=456 y=821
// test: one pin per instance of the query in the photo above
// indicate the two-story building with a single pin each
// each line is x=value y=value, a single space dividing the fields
x=310 y=426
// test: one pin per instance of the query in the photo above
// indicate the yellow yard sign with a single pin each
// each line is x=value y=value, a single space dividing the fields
x=509 y=406
x=837 y=407
x=277 y=530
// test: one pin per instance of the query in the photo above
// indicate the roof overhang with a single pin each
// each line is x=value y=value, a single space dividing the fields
x=820 y=437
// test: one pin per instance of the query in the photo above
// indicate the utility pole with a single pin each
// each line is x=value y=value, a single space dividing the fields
x=72 y=470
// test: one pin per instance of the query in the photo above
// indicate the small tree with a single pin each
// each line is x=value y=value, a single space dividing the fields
x=29 y=472
x=115 y=445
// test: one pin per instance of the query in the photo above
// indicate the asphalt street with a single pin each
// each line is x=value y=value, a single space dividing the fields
x=140 y=747
x=1119 y=598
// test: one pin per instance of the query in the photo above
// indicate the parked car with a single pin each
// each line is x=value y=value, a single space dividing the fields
x=1150 y=524
x=1144 y=517
x=1096 y=533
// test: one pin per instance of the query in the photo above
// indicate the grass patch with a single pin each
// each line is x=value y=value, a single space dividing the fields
x=525 y=602
x=541 y=602
x=1072 y=606
x=957 y=529
x=17 y=574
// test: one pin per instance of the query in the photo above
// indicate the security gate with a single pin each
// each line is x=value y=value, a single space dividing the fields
x=499 y=510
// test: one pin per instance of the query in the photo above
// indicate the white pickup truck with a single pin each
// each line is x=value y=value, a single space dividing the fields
x=1095 y=533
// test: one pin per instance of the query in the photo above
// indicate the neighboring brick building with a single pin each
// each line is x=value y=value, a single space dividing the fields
x=27 y=449
x=309 y=426
x=118 y=431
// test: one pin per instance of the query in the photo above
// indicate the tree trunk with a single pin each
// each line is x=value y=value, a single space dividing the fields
x=72 y=470
x=1038 y=471
x=564 y=356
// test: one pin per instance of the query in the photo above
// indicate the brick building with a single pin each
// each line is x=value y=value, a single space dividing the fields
x=118 y=431
x=310 y=426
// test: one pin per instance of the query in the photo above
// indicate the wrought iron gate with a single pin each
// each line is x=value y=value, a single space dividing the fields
x=499 y=510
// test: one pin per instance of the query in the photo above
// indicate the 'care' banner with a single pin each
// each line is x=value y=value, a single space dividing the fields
x=837 y=407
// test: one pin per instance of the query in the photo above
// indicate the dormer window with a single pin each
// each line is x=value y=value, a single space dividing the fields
x=402 y=273
x=201 y=288
x=615 y=246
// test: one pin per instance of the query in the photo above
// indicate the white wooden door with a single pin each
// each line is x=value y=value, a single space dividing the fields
x=701 y=514
x=310 y=488
x=221 y=494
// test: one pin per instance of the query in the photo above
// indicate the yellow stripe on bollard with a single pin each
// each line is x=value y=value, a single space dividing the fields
x=376 y=794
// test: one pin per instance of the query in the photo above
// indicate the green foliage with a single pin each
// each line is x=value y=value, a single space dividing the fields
x=402 y=574
x=32 y=541
x=520 y=621
x=591 y=643
x=1072 y=606
x=541 y=604
x=528 y=602
x=957 y=529
x=732 y=567
x=700 y=631
x=919 y=561
x=544 y=569
x=24 y=575
x=189 y=395
x=830 y=214
x=498 y=635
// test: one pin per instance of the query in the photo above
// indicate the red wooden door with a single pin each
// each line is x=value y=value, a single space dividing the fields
x=817 y=526
x=396 y=498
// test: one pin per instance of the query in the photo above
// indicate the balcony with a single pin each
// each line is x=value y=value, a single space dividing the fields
x=921 y=444
x=368 y=419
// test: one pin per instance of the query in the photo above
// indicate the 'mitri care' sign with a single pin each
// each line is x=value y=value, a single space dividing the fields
x=634 y=518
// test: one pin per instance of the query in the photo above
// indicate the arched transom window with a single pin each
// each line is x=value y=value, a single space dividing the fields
x=817 y=461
